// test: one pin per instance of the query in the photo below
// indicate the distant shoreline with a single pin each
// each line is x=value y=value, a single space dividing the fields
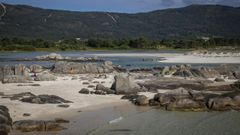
x=101 y=50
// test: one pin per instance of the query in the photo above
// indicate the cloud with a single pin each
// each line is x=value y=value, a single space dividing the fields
x=234 y=3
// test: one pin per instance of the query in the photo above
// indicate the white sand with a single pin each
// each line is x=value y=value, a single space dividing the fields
x=136 y=54
x=198 y=59
x=63 y=87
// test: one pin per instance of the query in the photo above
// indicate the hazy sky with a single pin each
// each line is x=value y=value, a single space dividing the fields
x=129 y=6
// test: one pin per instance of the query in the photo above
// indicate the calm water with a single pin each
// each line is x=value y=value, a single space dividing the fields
x=140 y=59
x=159 y=122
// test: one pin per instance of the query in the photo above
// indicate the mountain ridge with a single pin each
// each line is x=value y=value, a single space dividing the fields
x=192 y=21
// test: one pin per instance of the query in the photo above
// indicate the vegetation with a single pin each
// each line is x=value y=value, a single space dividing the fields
x=7 y=44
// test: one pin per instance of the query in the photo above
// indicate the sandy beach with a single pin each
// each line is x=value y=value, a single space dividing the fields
x=191 y=59
x=63 y=87
x=105 y=99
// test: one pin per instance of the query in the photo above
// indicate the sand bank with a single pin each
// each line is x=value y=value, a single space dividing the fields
x=198 y=59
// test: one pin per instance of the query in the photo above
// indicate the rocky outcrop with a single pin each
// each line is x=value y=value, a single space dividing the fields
x=105 y=89
x=36 y=68
x=51 y=56
x=174 y=83
x=209 y=72
x=45 y=99
x=142 y=100
x=182 y=100
x=188 y=71
x=230 y=71
x=186 y=104
x=124 y=85
x=39 y=125
x=37 y=99
x=5 y=121
x=188 y=100
x=80 y=68
x=59 y=57
x=45 y=77
x=16 y=74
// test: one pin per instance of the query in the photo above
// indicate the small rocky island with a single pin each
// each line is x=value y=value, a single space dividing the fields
x=59 y=57
x=68 y=85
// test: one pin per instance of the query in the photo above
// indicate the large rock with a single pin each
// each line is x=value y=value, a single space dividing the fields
x=5 y=121
x=168 y=97
x=45 y=99
x=54 y=56
x=45 y=77
x=124 y=85
x=37 y=126
x=36 y=68
x=165 y=71
x=186 y=104
x=84 y=91
x=16 y=74
x=142 y=100
x=79 y=68
x=51 y=56
x=220 y=103
x=37 y=99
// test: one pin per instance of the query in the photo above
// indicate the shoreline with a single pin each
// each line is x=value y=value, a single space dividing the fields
x=104 y=50
x=191 y=59
x=89 y=118
x=91 y=97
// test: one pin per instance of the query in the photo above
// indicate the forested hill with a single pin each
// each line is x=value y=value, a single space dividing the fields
x=193 y=21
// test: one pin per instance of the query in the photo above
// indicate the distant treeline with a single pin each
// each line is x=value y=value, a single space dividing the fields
x=7 y=44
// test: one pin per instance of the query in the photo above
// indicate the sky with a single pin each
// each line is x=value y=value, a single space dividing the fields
x=125 y=6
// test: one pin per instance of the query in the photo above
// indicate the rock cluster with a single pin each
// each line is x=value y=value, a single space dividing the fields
x=173 y=83
x=59 y=57
x=5 y=121
x=37 y=99
x=206 y=53
x=106 y=90
x=39 y=125
x=188 y=71
x=229 y=71
x=17 y=74
x=80 y=68
x=189 y=100
x=99 y=90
